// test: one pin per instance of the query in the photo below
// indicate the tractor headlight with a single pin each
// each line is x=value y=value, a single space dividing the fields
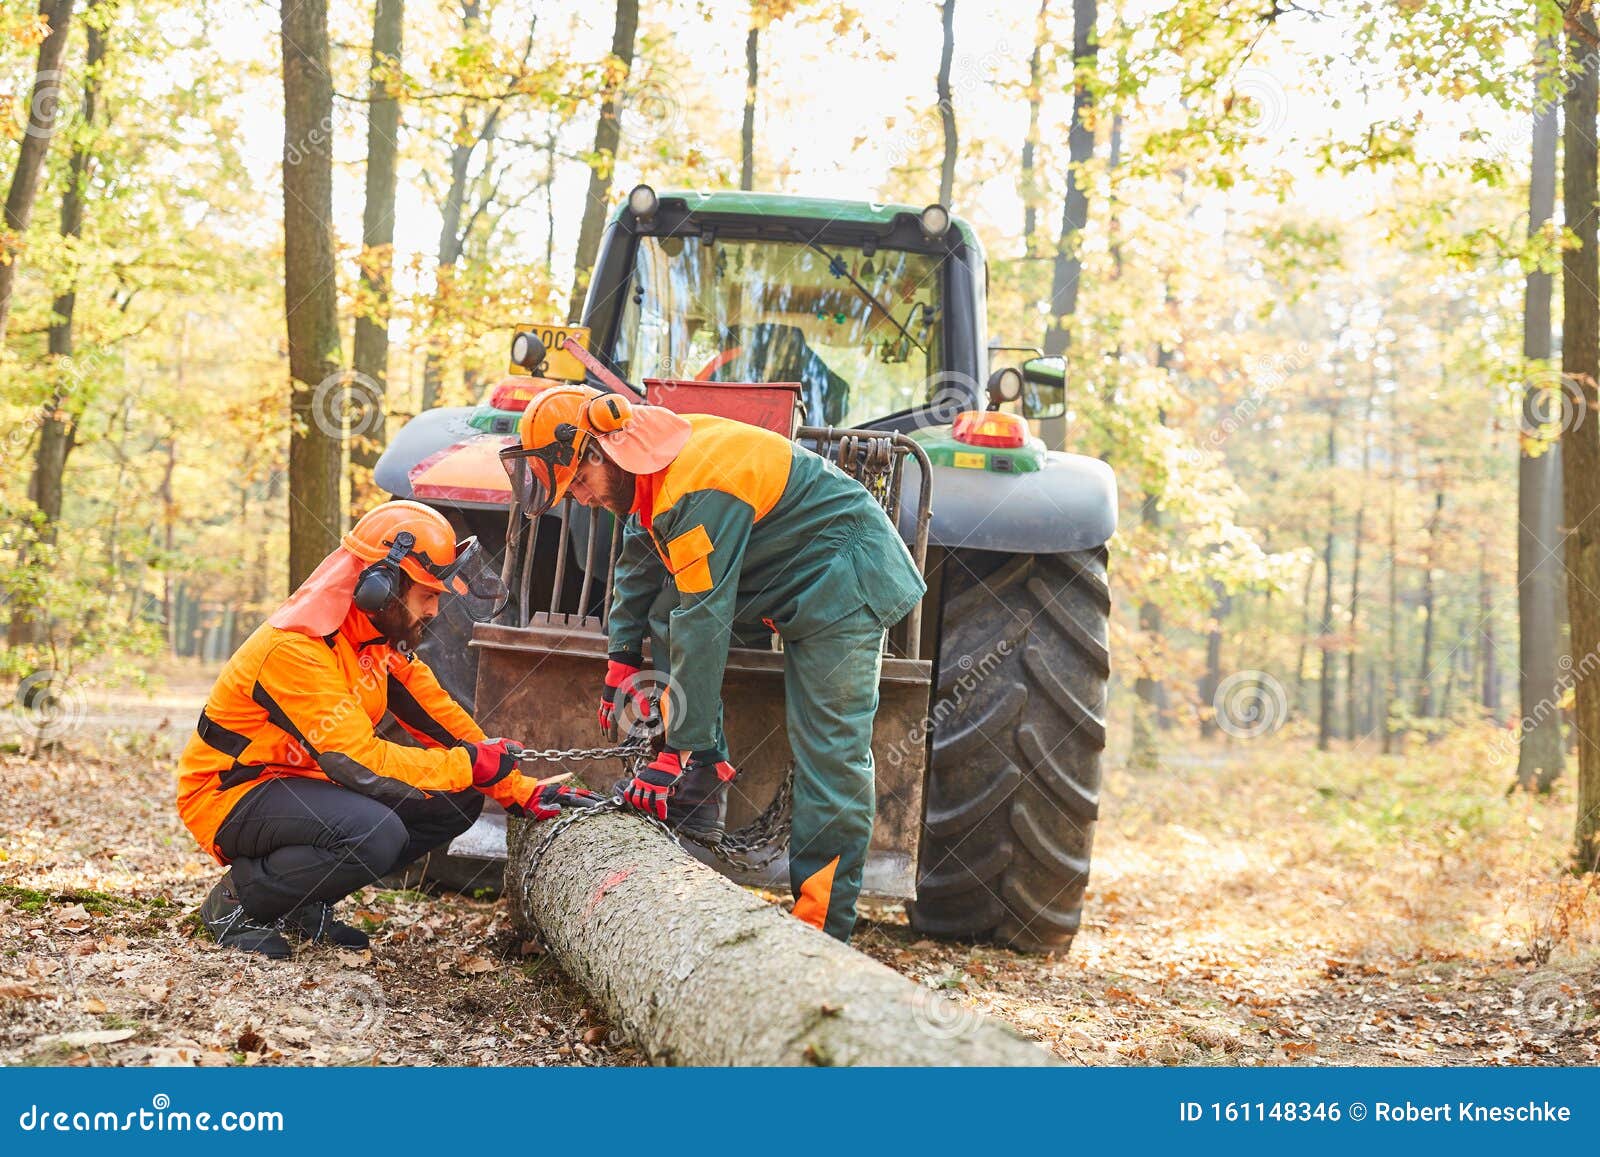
x=935 y=222
x=643 y=202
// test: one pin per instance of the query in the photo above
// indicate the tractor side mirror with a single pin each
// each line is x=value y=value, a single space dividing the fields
x=1044 y=388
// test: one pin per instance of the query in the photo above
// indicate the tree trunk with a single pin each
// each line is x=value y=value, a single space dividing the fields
x=747 y=130
x=1391 y=692
x=1426 y=703
x=1540 y=756
x=1580 y=443
x=58 y=423
x=607 y=134
x=1490 y=665
x=698 y=971
x=1213 y=676
x=1030 y=143
x=1298 y=704
x=1352 y=700
x=1075 y=210
x=1329 y=675
x=947 y=104
x=42 y=109
x=370 y=354
x=311 y=306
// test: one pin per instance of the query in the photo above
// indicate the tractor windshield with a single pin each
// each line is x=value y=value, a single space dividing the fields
x=857 y=331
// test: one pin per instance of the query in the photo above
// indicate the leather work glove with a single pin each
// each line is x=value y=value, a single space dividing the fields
x=492 y=760
x=653 y=786
x=549 y=801
x=620 y=671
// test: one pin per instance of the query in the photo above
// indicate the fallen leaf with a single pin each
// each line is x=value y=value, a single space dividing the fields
x=94 y=1006
x=21 y=992
x=473 y=965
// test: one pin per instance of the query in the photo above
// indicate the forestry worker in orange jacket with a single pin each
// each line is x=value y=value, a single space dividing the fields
x=286 y=780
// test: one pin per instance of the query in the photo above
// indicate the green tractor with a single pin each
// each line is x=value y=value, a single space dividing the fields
x=859 y=329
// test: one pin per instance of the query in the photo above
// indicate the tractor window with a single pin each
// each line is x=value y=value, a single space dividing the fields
x=859 y=333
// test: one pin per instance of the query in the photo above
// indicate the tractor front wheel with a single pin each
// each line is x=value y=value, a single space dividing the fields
x=1013 y=786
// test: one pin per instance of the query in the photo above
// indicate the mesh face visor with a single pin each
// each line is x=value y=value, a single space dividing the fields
x=532 y=476
x=471 y=579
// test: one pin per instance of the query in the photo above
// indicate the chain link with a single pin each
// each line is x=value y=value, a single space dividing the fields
x=769 y=829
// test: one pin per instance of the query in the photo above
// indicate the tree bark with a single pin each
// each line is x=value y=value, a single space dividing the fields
x=1213 y=676
x=1580 y=442
x=1329 y=674
x=41 y=126
x=747 y=130
x=58 y=422
x=607 y=135
x=1075 y=210
x=1030 y=143
x=947 y=104
x=370 y=354
x=311 y=306
x=1353 y=730
x=699 y=971
x=1426 y=702
x=1540 y=755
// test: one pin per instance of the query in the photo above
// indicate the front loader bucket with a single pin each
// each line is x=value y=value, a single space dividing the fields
x=540 y=676
x=542 y=682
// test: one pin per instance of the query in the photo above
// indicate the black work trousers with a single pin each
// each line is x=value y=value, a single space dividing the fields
x=294 y=840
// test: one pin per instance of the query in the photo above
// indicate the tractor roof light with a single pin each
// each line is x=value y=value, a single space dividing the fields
x=514 y=394
x=643 y=203
x=935 y=222
x=991 y=428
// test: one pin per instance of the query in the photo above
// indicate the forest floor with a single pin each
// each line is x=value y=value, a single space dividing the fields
x=1254 y=904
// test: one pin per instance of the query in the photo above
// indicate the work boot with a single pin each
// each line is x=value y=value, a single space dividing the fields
x=699 y=806
x=229 y=924
x=313 y=921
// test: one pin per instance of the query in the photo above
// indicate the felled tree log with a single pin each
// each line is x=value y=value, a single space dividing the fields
x=698 y=971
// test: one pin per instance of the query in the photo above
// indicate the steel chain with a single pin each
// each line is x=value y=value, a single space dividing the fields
x=732 y=848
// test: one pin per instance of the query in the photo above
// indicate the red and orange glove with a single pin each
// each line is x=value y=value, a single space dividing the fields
x=552 y=799
x=620 y=671
x=492 y=760
x=653 y=786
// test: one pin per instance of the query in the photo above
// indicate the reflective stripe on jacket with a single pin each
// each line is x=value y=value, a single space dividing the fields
x=288 y=703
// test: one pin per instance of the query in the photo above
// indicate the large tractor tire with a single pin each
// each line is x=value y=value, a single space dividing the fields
x=1019 y=727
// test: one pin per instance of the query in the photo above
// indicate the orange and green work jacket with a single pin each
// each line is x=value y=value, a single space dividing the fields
x=753 y=529
x=289 y=703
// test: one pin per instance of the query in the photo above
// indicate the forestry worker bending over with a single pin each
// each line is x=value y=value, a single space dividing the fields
x=753 y=530
x=286 y=780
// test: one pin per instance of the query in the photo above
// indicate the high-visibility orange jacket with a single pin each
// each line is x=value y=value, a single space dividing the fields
x=289 y=703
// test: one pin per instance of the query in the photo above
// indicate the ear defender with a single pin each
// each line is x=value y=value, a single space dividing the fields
x=608 y=413
x=378 y=587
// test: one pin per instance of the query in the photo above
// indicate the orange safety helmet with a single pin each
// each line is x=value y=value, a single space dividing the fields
x=408 y=536
x=555 y=428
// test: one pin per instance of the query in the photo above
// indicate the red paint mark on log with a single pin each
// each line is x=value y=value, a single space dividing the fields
x=606 y=885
